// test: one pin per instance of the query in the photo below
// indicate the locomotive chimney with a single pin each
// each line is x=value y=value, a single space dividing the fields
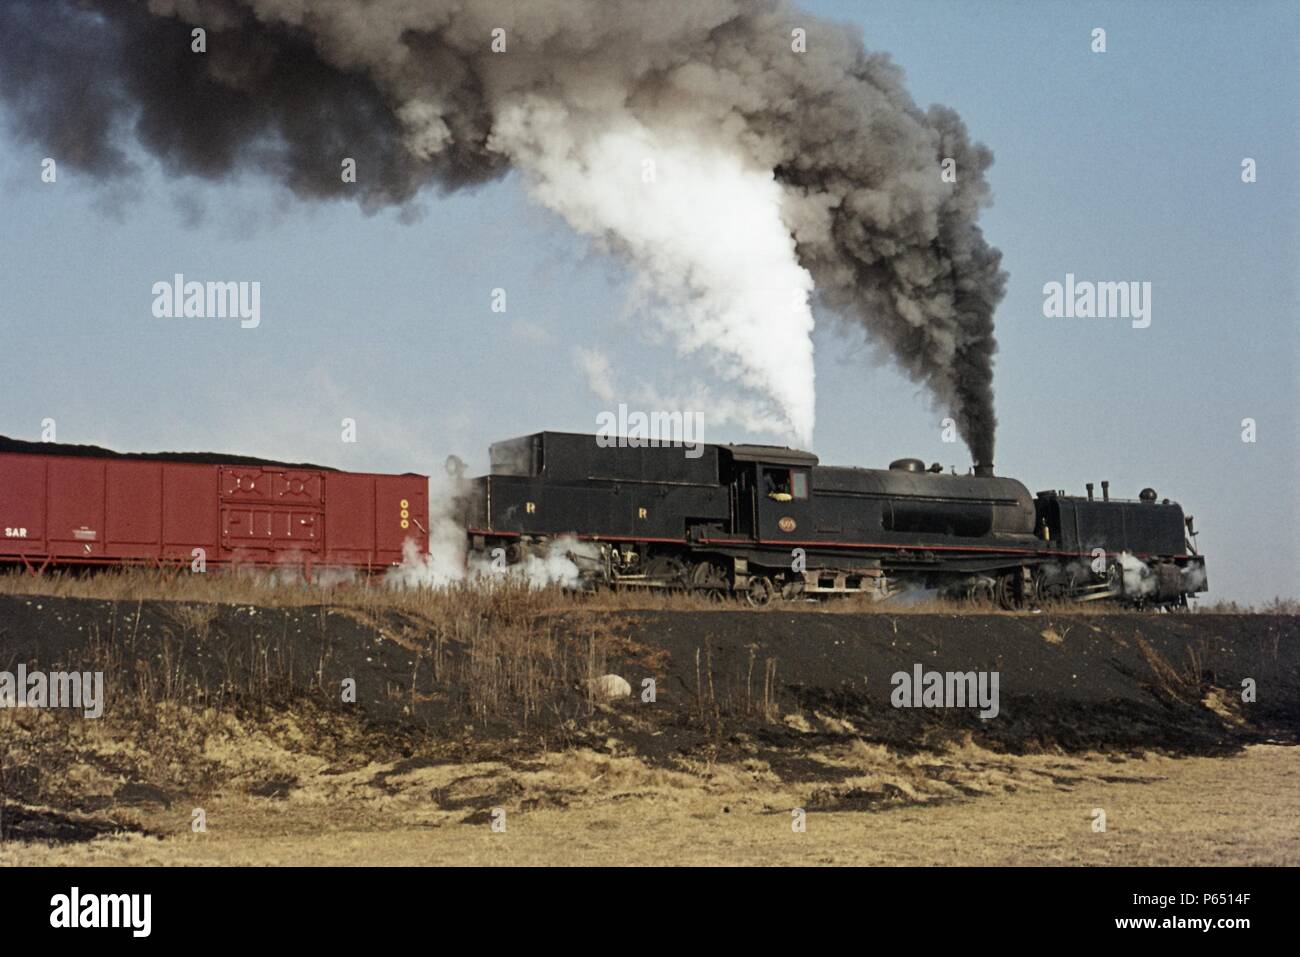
x=1105 y=491
x=1089 y=491
x=984 y=469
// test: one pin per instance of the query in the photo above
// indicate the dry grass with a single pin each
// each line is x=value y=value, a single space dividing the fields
x=510 y=599
x=1278 y=606
x=278 y=803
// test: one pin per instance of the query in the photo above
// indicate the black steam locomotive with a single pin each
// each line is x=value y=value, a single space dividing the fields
x=767 y=522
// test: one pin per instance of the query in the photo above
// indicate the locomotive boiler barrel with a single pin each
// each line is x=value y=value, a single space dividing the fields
x=968 y=506
x=940 y=518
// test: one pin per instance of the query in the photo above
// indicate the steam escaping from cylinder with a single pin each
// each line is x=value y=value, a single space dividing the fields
x=448 y=564
x=1139 y=580
x=448 y=561
x=746 y=159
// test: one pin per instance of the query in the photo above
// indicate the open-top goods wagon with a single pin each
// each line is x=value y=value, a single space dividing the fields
x=63 y=504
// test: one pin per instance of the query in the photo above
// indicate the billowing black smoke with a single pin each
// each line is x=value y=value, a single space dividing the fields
x=414 y=92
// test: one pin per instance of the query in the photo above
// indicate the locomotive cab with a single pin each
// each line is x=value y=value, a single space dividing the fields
x=772 y=490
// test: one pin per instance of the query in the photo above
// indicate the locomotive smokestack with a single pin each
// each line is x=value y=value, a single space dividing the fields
x=984 y=469
x=1105 y=491
x=1089 y=491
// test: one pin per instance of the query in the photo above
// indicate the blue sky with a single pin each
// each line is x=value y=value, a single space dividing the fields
x=1116 y=166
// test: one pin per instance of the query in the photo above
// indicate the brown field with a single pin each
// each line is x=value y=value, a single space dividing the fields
x=965 y=806
x=472 y=703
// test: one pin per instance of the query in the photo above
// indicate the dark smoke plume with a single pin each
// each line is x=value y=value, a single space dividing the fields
x=414 y=92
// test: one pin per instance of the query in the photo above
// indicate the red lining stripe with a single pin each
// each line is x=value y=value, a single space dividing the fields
x=975 y=549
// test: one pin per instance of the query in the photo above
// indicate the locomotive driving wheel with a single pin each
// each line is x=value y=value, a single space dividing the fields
x=982 y=593
x=666 y=571
x=709 y=580
x=761 y=591
x=1052 y=585
x=1006 y=593
x=1043 y=588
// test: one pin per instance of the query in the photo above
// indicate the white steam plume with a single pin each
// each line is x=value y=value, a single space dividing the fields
x=716 y=409
x=715 y=262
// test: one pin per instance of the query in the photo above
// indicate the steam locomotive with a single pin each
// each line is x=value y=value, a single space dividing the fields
x=764 y=522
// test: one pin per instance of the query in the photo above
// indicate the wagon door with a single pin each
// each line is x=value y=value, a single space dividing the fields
x=75 y=516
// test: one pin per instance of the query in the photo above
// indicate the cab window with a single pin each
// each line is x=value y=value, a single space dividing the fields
x=783 y=485
x=799 y=484
x=776 y=484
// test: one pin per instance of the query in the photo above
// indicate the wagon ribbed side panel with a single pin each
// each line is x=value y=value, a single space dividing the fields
x=82 y=509
x=190 y=512
x=22 y=506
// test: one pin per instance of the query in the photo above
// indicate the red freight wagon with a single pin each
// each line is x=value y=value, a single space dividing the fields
x=84 y=505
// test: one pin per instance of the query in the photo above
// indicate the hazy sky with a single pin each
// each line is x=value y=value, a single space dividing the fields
x=1117 y=166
